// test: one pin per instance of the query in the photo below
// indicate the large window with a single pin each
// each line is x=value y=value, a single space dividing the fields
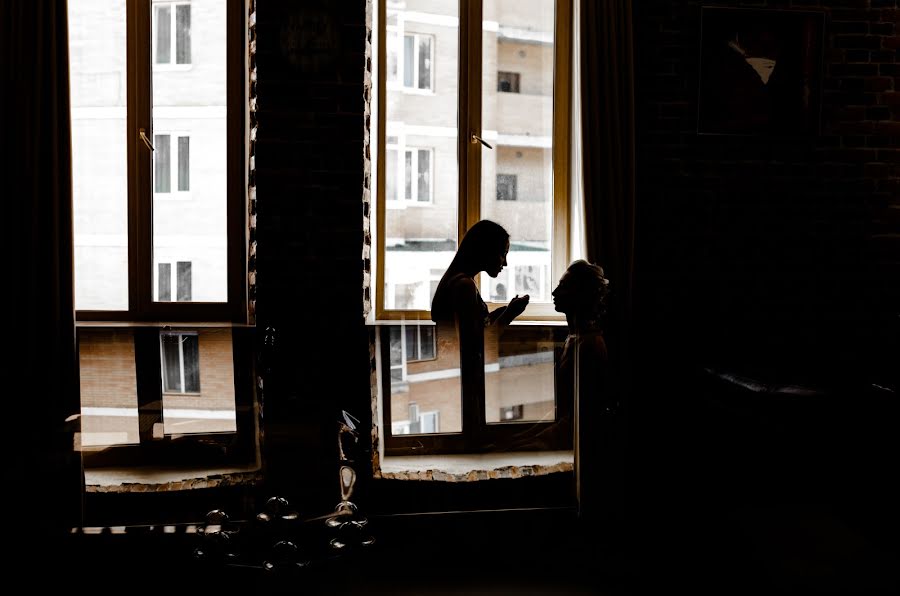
x=497 y=148
x=158 y=103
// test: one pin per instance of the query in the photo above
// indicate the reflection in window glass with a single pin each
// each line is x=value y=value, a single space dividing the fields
x=108 y=384
x=183 y=37
x=163 y=23
x=519 y=375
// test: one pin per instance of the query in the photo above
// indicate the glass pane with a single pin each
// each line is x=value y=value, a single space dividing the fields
x=171 y=361
x=108 y=382
x=408 y=173
x=519 y=374
x=426 y=345
x=424 y=62
x=412 y=342
x=184 y=163
x=97 y=76
x=426 y=399
x=163 y=23
x=421 y=241
x=517 y=118
x=183 y=34
x=207 y=407
x=164 y=282
x=408 y=63
x=424 y=176
x=162 y=164
x=190 y=353
x=191 y=103
x=184 y=281
x=390 y=175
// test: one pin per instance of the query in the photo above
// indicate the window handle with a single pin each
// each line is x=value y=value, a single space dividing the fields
x=147 y=142
x=477 y=139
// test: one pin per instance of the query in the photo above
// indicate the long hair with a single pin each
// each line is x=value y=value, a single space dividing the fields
x=483 y=239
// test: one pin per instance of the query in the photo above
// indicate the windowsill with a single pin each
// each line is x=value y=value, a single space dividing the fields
x=148 y=480
x=163 y=324
x=473 y=467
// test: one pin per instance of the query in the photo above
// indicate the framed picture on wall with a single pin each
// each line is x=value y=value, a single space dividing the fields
x=760 y=71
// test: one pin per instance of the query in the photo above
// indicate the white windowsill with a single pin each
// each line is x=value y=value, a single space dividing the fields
x=471 y=467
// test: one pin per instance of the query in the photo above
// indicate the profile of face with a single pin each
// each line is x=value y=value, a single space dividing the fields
x=497 y=262
x=581 y=290
x=565 y=296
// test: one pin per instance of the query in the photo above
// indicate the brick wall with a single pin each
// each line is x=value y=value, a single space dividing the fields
x=310 y=177
x=780 y=254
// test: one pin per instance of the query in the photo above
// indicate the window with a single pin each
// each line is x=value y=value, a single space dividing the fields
x=520 y=181
x=180 y=357
x=182 y=281
x=515 y=412
x=419 y=343
x=150 y=124
x=508 y=82
x=506 y=187
x=409 y=179
x=172 y=27
x=414 y=70
x=171 y=165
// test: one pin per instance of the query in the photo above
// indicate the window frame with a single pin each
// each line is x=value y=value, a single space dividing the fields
x=470 y=81
x=401 y=149
x=139 y=117
x=476 y=434
x=173 y=42
x=148 y=318
x=162 y=361
x=398 y=31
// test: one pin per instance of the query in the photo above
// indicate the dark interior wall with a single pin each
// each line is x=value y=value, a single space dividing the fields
x=310 y=175
x=776 y=255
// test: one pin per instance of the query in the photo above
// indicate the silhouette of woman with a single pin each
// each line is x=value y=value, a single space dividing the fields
x=583 y=377
x=458 y=302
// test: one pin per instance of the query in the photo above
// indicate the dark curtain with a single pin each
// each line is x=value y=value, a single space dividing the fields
x=607 y=104
x=43 y=496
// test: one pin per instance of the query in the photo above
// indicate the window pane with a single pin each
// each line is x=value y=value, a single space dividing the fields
x=412 y=342
x=184 y=281
x=423 y=239
x=164 y=282
x=424 y=176
x=393 y=51
x=427 y=399
x=171 y=361
x=519 y=375
x=97 y=77
x=210 y=407
x=407 y=173
x=408 y=60
x=190 y=353
x=426 y=345
x=108 y=382
x=183 y=34
x=516 y=177
x=184 y=163
x=163 y=35
x=424 y=63
x=390 y=175
x=193 y=103
x=162 y=164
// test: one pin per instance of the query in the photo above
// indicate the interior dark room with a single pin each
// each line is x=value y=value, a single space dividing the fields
x=228 y=375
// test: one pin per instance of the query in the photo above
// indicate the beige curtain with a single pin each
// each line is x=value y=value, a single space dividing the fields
x=41 y=389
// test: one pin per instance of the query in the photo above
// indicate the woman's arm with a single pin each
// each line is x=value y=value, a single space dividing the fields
x=505 y=314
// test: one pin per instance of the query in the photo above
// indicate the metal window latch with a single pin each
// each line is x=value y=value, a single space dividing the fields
x=477 y=139
x=144 y=138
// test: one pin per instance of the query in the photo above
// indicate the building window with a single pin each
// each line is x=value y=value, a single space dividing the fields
x=515 y=412
x=172 y=27
x=420 y=343
x=508 y=82
x=180 y=357
x=409 y=179
x=506 y=187
x=171 y=164
x=414 y=71
x=521 y=181
x=183 y=283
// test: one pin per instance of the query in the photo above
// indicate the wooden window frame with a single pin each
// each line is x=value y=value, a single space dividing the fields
x=147 y=318
x=477 y=435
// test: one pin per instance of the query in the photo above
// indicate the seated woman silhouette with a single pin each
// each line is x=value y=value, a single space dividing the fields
x=458 y=302
x=582 y=376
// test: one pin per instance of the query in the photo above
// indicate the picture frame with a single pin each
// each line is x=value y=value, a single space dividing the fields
x=760 y=71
